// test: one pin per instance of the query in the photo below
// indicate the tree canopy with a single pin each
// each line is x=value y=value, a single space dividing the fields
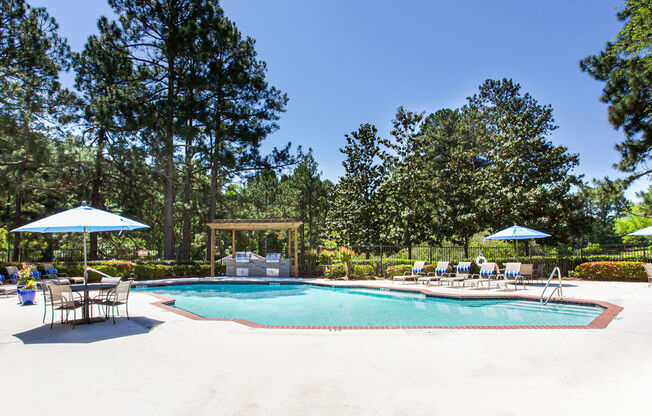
x=625 y=66
x=171 y=107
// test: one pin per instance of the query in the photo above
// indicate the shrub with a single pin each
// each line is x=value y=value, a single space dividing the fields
x=345 y=256
x=337 y=270
x=362 y=271
x=612 y=270
x=398 y=270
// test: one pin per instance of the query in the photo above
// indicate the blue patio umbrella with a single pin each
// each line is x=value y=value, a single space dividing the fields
x=647 y=231
x=83 y=219
x=516 y=232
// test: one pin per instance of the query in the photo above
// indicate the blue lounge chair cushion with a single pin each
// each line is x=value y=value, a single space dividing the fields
x=2 y=277
x=416 y=270
x=52 y=271
x=512 y=273
x=486 y=272
x=440 y=270
x=35 y=273
x=463 y=268
x=13 y=276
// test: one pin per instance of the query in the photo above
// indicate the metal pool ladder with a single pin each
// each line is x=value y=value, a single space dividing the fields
x=556 y=289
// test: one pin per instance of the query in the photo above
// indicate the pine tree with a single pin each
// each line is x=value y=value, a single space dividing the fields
x=625 y=66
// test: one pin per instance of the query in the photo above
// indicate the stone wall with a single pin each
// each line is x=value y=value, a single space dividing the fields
x=257 y=268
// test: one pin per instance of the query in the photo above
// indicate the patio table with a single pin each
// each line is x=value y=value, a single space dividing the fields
x=86 y=310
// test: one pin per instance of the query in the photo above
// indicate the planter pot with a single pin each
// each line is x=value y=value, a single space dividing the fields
x=18 y=287
x=26 y=296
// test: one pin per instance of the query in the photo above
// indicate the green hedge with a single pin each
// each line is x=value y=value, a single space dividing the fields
x=612 y=270
x=398 y=270
x=362 y=271
x=137 y=271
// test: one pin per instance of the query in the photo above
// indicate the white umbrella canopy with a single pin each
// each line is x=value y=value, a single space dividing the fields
x=647 y=231
x=79 y=220
x=517 y=232
x=83 y=219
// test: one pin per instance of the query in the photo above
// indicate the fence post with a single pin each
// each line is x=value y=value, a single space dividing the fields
x=644 y=256
x=383 y=274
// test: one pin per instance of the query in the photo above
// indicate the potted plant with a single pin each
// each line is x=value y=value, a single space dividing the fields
x=26 y=286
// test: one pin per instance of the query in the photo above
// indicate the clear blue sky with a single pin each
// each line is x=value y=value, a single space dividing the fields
x=343 y=62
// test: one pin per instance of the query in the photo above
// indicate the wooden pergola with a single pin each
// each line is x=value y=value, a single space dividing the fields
x=272 y=224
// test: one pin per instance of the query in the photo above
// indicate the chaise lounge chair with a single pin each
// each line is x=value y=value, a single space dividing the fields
x=51 y=272
x=12 y=273
x=488 y=273
x=35 y=274
x=512 y=276
x=4 y=289
x=440 y=271
x=462 y=274
x=417 y=271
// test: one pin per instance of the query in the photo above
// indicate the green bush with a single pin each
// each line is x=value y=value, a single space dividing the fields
x=398 y=270
x=141 y=271
x=612 y=270
x=362 y=271
x=338 y=270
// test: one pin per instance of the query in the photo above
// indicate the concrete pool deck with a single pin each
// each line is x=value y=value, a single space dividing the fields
x=163 y=363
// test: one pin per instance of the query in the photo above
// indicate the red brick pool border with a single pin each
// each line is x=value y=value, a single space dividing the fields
x=600 y=322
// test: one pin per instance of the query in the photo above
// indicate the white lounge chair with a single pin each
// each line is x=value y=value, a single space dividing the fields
x=512 y=276
x=488 y=273
x=462 y=274
x=417 y=271
x=440 y=271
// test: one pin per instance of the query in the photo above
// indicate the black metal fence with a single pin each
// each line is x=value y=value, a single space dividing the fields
x=382 y=256
x=566 y=258
x=25 y=254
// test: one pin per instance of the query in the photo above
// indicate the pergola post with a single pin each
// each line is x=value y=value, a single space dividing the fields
x=296 y=252
x=233 y=243
x=212 y=243
x=289 y=243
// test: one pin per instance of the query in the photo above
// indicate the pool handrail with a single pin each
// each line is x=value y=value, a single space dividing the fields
x=557 y=289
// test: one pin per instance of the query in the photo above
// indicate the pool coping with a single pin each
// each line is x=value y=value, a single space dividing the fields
x=600 y=322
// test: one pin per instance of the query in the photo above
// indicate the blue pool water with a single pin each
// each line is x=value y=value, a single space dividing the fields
x=304 y=305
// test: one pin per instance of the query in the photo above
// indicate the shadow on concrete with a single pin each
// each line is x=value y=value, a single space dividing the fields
x=86 y=334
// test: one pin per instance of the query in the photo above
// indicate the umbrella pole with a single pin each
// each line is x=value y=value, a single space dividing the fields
x=515 y=246
x=85 y=266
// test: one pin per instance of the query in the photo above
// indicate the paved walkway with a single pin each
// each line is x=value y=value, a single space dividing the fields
x=163 y=363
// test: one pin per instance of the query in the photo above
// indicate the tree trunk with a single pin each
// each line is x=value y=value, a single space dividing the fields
x=466 y=248
x=212 y=193
x=18 y=214
x=96 y=184
x=168 y=210
x=169 y=168
x=302 y=247
x=187 y=190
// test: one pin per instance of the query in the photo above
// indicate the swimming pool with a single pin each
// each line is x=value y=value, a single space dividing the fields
x=318 y=306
